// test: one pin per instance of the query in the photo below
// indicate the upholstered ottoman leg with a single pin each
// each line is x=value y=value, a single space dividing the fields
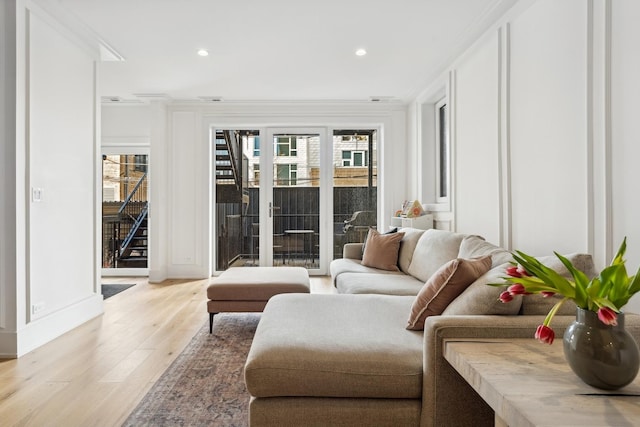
x=211 y=322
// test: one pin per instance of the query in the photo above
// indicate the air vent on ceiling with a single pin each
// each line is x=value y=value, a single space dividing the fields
x=210 y=98
x=380 y=98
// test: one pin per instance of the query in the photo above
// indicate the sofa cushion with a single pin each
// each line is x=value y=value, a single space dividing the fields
x=376 y=283
x=381 y=250
x=480 y=298
x=476 y=246
x=434 y=248
x=348 y=265
x=407 y=247
x=327 y=345
x=444 y=286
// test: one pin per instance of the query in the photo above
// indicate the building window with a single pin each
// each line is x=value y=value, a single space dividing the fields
x=443 y=150
x=256 y=174
x=286 y=146
x=140 y=163
x=354 y=158
x=287 y=175
x=256 y=146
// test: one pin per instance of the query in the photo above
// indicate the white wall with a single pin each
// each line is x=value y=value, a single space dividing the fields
x=548 y=124
x=56 y=151
x=625 y=130
x=8 y=225
x=545 y=135
x=126 y=125
x=477 y=148
x=181 y=231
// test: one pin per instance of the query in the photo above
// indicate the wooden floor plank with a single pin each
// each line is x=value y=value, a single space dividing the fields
x=96 y=374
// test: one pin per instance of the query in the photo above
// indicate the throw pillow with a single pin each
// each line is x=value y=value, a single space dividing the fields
x=434 y=249
x=382 y=250
x=364 y=245
x=444 y=286
x=476 y=246
x=480 y=298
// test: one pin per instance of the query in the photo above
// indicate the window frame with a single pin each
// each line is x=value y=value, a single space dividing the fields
x=292 y=140
x=351 y=158
x=292 y=174
x=443 y=151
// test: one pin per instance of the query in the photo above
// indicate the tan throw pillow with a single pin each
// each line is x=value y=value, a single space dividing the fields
x=444 y=286
x=480 y=298
x=381 y=250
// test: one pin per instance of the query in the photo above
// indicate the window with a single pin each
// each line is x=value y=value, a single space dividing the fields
x=443 y=152
x=140 y=163
x=256 y=146
x=354 y=158
x=256 y=174
x=286 y=146
x=287 y=175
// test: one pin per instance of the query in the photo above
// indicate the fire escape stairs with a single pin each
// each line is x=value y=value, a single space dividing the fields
x=228 y=167
x=134 y=214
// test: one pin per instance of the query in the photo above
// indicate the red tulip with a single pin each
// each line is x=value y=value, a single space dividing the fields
x=545 y=334
x=513 y=271
x=608 y=316
x=547 y=294
x=522 y=271
x=517 y=289
x=506 y=297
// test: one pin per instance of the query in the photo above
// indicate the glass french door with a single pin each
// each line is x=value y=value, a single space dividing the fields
x=268 y=198
x=293 y=195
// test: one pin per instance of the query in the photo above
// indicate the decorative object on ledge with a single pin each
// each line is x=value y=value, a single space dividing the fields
x=412 y=209
x=596 y=344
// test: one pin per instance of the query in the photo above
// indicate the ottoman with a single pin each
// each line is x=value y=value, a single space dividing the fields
x=247 y=289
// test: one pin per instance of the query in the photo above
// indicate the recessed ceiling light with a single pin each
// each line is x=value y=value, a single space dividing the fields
x=361 y=52
x=203 y=52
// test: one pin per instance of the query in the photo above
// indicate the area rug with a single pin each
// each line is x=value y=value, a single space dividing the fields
x=204 y=386
x=110 y=289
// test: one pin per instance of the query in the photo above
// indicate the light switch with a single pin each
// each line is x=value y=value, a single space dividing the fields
x=37 y=194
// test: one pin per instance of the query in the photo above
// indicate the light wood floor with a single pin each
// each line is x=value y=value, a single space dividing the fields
x=96 y=374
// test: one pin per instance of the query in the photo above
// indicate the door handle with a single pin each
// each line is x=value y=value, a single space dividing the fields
x=270 y=209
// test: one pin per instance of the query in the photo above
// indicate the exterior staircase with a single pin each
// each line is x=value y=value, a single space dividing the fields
x=133 y=250
x=228 y=167
x=125 y=230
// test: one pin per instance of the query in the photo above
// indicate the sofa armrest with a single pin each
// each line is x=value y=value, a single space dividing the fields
x=447 y=399
x=352 y=250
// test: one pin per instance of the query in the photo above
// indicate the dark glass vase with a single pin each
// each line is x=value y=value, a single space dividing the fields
x=603 y=356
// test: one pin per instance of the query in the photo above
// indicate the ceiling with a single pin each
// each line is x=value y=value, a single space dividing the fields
x=280 y=50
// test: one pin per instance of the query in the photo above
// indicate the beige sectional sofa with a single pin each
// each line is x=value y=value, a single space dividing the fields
x=347 y=359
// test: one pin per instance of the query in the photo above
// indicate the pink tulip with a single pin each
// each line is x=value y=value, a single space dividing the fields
x=545 y=334
x=608 y=316
x=506 y=297
x=522 y=271
x=513 y=271
x=547 y=294
x=517 y=289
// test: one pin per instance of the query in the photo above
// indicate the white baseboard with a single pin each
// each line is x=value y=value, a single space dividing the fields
x=49 y=327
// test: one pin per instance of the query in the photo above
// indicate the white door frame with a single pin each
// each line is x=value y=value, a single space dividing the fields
x=126 y=150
